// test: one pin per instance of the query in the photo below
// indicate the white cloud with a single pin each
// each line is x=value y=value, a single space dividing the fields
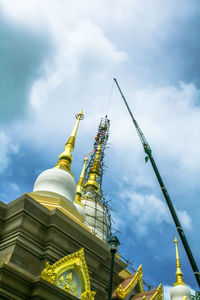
x=86 y=58
x=14 y=187
x=185 y=220
x=7 y=147
x=158 y=14
x=169 y=116
x=4 y=141
x=147 y=209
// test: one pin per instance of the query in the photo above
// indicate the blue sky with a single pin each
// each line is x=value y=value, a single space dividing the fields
x=59 y=56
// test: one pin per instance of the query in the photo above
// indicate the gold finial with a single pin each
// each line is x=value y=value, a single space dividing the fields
x=80 y=184
x=179 y=274
x=94 y=171
x=65 y=158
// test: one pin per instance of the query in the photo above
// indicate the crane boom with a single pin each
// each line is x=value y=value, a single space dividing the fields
x=179 y=228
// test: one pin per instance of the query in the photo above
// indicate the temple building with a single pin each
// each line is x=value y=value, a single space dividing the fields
x=54 y=239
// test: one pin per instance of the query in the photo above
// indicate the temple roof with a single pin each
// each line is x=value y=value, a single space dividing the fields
x=148 y=295
x=134 y=284
x=129 y=283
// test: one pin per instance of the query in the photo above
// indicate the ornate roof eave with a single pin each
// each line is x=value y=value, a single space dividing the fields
x=158 y=294
x=137 y=279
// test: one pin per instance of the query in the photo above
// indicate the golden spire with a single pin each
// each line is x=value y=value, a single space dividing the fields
x=179 y=274
x=65 y=158
x=80 y=184
x=94 y=171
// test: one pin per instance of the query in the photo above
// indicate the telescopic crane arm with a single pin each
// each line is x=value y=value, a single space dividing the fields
x=179 y=228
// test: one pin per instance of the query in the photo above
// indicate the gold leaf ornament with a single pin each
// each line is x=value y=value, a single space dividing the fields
x=48 y=273
x=67 y=288
x=75 y=287
x=88 y=295
x=61 y=279
x=74 y=262
x=69 y=278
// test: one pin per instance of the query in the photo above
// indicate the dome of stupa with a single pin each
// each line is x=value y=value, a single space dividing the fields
x=179 y=291
x=56 y=182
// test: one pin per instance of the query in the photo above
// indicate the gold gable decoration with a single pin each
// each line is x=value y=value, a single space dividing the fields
x=158 y=294
x=137 y=279
x=88 y=295
x=70 y=273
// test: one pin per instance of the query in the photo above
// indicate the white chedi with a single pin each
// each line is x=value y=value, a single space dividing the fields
x=178 y=292
x=96 y=218
x=58 y=182
x=81 y=210
x=54 y=182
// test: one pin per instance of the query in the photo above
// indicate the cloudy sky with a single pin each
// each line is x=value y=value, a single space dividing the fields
x=59 y=56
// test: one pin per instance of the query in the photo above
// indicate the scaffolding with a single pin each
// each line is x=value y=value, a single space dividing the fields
x=97 y=208
x=98 y=217
x=102 y=135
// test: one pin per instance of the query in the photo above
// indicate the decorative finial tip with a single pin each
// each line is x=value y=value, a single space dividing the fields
x=80 y=115
x=175 y=241
x=86 y=159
